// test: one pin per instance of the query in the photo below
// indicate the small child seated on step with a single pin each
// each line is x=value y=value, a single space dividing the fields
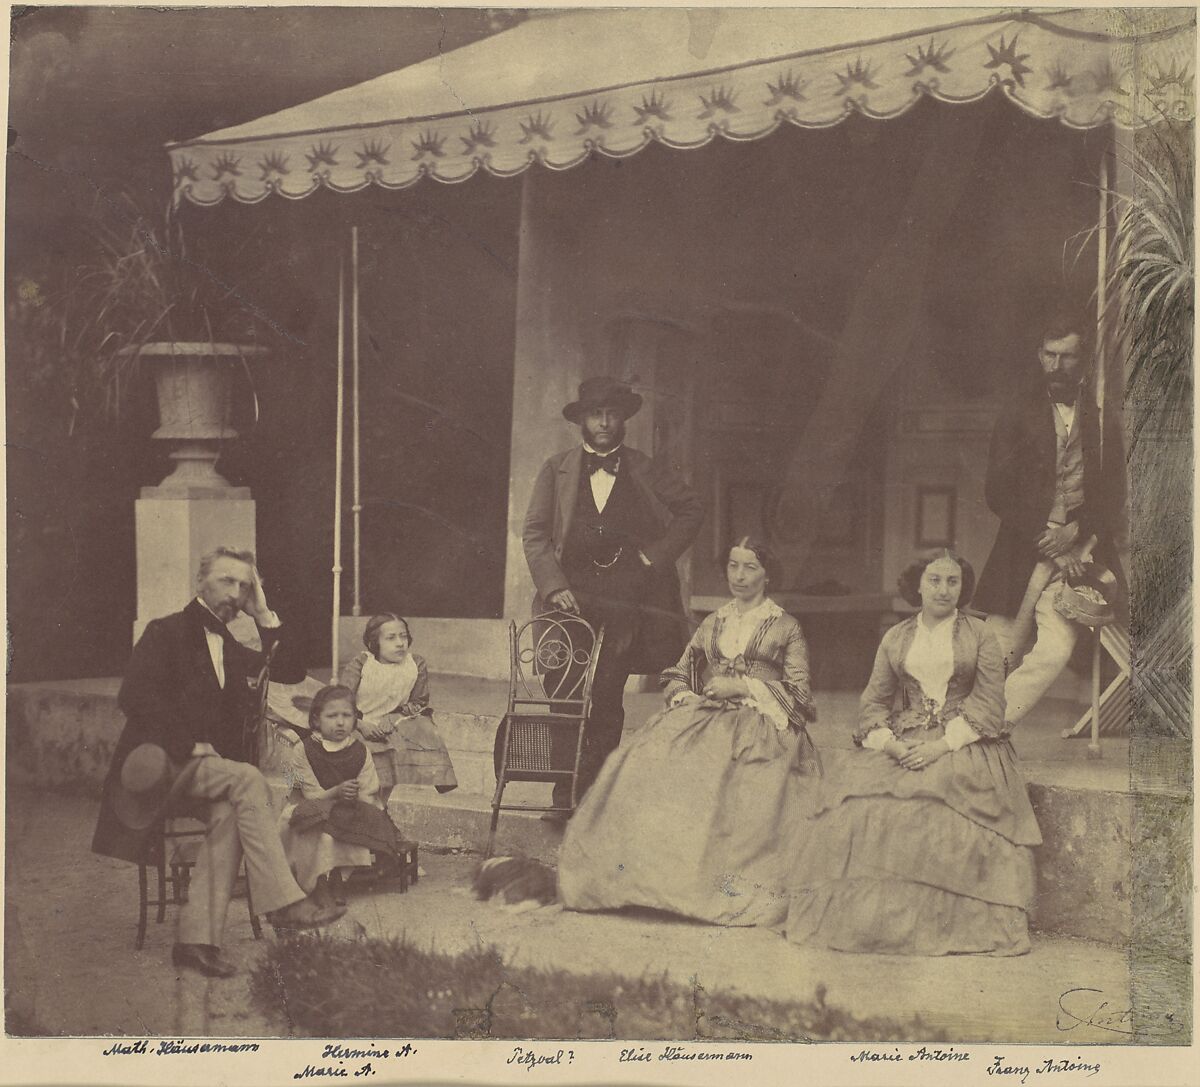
x=337 y=821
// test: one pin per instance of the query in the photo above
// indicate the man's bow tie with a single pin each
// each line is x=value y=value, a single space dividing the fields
x=594 y=463
x=211 y=622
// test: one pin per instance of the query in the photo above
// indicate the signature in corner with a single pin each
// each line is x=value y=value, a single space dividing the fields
x=1089 y=1008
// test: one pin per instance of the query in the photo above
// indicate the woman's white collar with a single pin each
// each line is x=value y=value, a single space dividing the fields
x=937 y=627
x=768 y=608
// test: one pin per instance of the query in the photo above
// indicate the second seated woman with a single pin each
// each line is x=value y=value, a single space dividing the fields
x=922 y=842
x=688 y=815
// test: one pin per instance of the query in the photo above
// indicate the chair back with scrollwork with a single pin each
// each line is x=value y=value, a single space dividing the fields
x=552 y=664
x=553 y=661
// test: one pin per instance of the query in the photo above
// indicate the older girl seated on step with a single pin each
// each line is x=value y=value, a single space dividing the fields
x=391 y=687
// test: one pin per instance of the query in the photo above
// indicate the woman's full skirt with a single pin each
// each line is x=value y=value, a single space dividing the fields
x=931 y=862
x=688 y=817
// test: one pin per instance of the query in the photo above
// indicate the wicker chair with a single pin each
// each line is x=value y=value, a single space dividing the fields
x=552 y=662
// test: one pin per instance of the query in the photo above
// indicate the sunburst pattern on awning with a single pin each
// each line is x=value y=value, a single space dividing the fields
x=563 y=86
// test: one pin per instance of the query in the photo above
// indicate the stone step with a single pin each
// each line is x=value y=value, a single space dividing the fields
x=61 y=736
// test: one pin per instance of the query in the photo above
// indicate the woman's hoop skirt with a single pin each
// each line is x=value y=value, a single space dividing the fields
x=689 y=815
x=931 y=862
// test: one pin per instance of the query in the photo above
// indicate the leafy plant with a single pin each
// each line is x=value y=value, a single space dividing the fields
x=147 y=285
x=140 y=283
x=1151 y=311
x=1149 y=323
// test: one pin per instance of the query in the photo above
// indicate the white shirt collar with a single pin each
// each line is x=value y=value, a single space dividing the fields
x=216 y=645
x=938 y=628
x=332 y=746
x=1066 y=412
x=595 y=452
x=760 y=611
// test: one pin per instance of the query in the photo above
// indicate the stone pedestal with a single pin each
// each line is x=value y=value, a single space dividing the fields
x=194 y=509
x=175 y=526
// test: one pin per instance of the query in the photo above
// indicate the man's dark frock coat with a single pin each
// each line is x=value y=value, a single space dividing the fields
x=1020 y=490
x=170 y=696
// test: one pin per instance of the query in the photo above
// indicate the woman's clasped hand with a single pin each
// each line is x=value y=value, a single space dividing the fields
x=916 y=756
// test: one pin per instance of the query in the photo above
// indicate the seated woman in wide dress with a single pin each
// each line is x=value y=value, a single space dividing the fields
x=922 y=842
x=688 y=815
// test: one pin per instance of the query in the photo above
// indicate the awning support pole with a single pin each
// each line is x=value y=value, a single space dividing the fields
x=1102 y=323
x=1102 y=295
x=337 y=460
x=357 y=506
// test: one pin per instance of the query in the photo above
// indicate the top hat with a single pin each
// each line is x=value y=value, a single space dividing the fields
x=144 y=787
x=1085 y=603
x=602 y=392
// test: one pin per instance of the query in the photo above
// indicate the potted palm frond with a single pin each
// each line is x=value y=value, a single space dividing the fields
x=145 y=299
x=1149 y=323
x=1153 y=285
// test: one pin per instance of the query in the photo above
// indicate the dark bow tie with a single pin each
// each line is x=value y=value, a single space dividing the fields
x=211 y=622
x=593 y=463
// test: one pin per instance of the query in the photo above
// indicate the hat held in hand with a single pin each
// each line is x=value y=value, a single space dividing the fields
x=144 y=788
x=603 y=392
x=1086 y=604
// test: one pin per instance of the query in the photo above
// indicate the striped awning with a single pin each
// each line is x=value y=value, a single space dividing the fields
x=565 y=85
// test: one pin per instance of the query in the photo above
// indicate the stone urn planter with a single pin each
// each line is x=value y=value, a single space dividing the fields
x=194 y=385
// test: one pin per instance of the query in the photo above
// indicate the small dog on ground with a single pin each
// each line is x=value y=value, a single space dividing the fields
x=517 y=879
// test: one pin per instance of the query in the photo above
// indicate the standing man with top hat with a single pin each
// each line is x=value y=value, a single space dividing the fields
x=604 y=528
x=189 y=703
